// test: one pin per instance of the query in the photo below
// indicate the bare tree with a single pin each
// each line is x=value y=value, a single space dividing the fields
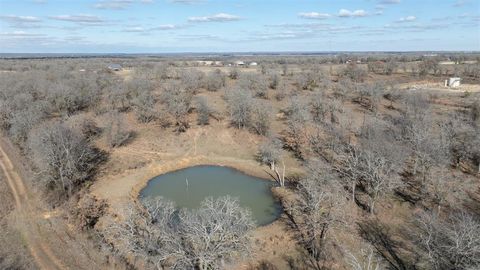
x=85 y=125
x=88 y=211
x=191 y=80
x=269 y=153
x=255 y=83
x=148 y=233
x=374 y=170
x=297 y=117
x=119 y=97
x=76 y=94
x=370 y=95
x=214 y=81
x=284 y=70
x=239 y=104
x=281 y=90
x=63 y=157
x=452 y=243
x=164 y=237
x=116 y=132
x=305 y=81
x=319 y=107
x=318 y=211
x=274 y=81
x=354 y=72
x=378 y=176
x=416 y=127
x=216 y=233
x=144 y=105
x=203 y=111
x=21 y=122
x=365 y=260
x=178 y=102
x=475 y=111
x=350 y=169
x=261 y=117
x=234 y=73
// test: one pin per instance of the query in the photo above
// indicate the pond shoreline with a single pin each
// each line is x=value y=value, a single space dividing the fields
x=215 y=181
x=155 y=170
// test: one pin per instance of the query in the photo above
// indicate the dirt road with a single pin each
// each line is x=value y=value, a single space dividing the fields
x=53 y=243
x=28 y=213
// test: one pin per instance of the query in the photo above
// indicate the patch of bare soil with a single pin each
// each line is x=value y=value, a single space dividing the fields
x=439 y=86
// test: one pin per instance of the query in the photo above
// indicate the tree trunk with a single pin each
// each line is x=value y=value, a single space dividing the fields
x=354 y=185
x=372 y=205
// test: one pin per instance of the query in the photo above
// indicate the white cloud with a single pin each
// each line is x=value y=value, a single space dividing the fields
x=407 y=19
x=198 y=36
x=78 y=18
x=81 y=19
x=220 y=17
x=19 y=34
x=187 y=2
x=113 y=4
x=344 y=13
x=416 y=27
x=20 y=19
x=460 y=3
x=314 y=15
x=166 y=27
x=162 y=27
x=135 y=29
x=390 y=2
x=15 y=21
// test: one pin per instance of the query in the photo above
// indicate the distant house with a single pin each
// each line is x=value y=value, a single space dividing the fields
x=114 y=67
x=209 y=63
x=453 y=82
x=204 y=63
x=239 y=63
x=253 y=64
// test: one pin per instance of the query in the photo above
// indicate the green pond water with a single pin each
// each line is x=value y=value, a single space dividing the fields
x=204 y=181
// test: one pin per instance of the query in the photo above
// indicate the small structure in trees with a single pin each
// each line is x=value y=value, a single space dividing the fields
x=453 y=82
x=239 y=63
x=253 y=64
x=114 y=67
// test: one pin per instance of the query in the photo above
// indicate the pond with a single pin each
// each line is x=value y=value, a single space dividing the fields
x=204 y=181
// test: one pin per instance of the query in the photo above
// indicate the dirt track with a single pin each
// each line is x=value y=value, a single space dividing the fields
x=28 y=212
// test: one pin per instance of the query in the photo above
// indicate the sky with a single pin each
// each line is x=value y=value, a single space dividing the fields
x=170 y=26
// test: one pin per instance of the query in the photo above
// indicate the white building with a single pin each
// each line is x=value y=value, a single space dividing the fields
x=253 y=64
x=115 y=67
x=453 y=82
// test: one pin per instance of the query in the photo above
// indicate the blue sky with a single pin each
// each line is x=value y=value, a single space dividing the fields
x=158 y=26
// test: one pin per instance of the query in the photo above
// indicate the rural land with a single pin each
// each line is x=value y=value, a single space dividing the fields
x=239 y=135
x=373 y=158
